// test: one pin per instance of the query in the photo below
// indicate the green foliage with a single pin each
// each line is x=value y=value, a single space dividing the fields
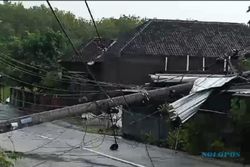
x=240 y=113
x=192 y=137
x=217 y=145
x=6 y=93
x=38 y=49
x=52 y=79
x=172 y=139
x=16 y=20
x=42 y=50
x=245 y=64
x=4 y=161
x=7 y=158
x=205 y=132
x=200 y=133
x=149 y=138
x=111 y=28
x=240 y=120
x=164 y=108
x=34 y=37
x=238 y=109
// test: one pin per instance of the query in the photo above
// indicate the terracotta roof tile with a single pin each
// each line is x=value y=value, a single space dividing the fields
x=177 y=37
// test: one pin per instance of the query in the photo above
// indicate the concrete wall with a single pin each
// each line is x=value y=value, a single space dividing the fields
x=135 y=69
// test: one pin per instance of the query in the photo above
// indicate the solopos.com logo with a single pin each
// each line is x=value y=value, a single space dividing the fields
x=220 y=154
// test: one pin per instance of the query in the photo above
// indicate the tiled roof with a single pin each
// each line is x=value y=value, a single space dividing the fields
x=178 y=37
x=91 y=51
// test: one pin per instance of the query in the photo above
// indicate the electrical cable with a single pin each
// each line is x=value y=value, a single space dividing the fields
x=62 y=80
x=68 y=76
x=199 y=85
x=42 y=87
x=61 y=26
x=115 y=145
x=64 y=96
x=76 y=52
x=83 y=143
x=30 y=72
x=11 y=65
x=100 y=110
x=92 y=18
x=15 y=67
x=85 y=79
x=71 y=41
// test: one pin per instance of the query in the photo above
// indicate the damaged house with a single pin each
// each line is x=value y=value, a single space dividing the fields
x=164 y=46
x=174 y=47
x=163 y=50
x=158 y=52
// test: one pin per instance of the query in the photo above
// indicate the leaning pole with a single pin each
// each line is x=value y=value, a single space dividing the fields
x=91 y=107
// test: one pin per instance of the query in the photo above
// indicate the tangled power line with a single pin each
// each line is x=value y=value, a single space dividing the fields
x=115 y=145
x=9 y=62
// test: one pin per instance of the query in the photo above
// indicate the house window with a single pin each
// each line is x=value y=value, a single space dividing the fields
x=166 y=63
x=187 y=66
x=203 y=64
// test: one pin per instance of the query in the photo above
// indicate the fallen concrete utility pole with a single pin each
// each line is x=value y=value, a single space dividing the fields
x=93 y=107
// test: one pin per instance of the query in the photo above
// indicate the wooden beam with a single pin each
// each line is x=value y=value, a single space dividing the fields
x=203 y=63
x=225 y=65
x=187 y=65
x=166 y=63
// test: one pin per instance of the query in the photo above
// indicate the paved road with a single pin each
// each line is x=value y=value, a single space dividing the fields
x=57 y=144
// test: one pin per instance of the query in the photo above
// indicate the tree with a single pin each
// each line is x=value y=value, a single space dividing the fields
x=33 y=36
x=39 y=18
x=41 y=50
x=248 y=10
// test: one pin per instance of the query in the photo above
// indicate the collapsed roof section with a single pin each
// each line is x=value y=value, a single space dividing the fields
x=186 y=107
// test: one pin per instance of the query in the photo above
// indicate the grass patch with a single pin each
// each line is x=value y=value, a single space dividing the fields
x=8 y=158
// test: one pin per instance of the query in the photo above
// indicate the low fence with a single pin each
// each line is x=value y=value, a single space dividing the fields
x=36 y=102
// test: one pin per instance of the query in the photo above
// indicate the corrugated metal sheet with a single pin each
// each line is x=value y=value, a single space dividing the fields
x=187 y=106
x=174 y=78
x=204 y=83
x=240 y=92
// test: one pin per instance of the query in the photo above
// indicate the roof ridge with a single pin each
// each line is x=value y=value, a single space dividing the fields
x=137 y=33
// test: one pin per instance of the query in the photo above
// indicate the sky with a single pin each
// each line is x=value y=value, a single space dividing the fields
x=225 y=11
